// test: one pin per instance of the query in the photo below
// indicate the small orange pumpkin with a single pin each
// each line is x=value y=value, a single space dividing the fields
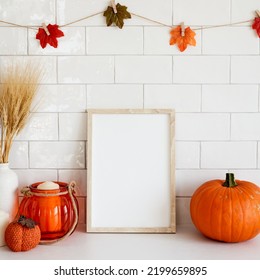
x=22 y=235
x=227 y=211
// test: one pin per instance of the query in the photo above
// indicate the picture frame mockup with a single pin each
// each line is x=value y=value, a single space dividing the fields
x=131 y=171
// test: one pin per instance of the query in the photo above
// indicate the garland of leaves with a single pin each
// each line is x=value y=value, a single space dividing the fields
x=116 y=14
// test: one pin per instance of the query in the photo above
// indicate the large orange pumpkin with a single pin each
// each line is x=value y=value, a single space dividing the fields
x=227 y=211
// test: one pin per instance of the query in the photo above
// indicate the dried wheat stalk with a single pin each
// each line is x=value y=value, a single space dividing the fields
x=20 y=85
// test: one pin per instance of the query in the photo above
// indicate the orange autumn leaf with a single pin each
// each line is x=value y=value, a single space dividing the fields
x=182 y=41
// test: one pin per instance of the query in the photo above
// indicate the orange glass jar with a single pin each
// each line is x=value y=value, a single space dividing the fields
x=55 y=211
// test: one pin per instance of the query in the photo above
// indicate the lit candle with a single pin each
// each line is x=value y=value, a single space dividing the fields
x=4 y=221
x=48 y=186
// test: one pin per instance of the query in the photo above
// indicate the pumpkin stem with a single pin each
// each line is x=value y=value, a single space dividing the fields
x=230 y=181
x=26 y=222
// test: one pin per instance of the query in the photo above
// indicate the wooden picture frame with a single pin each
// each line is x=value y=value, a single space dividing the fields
x=131 y=171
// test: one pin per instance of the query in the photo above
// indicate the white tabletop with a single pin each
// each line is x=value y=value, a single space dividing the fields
x=186 y=244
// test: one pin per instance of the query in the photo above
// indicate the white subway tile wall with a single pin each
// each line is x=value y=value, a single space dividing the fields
x=213 y=87
x=227 y=40
x=115 y=96
x=243 y=10
x=16 y=43
x=143 y=69
x=103 y=40
x=201 y=12
x=201 y=69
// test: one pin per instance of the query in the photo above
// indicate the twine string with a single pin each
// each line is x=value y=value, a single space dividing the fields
x=152 y=20
x=19 y=25
x=136 y=15
x=81 y=19
x=221 y=25
x=26 y=192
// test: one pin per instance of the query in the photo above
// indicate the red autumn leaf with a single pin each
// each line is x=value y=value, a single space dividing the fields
x=49 y=39
x=256 y=25
x=182 y=41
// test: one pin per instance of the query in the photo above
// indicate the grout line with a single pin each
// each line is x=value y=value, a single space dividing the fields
x=114 y=69
x=172 y=12
x=159 y=54
x=231 y=9
x=143 y=40
x=257 y=152
x=27 y=41
x=86 y=48
x=86 y=155
x=230 y=126
x=173 y=70
x=58 y=126
x=143 y=96
x=258 y=99
x=57 y=70
x=200 y=155
x=230 y=69
x=29 y=160
x=57 y=175
x=201 y=98
x=86 y=98
x=201 y=42
x=56 y=11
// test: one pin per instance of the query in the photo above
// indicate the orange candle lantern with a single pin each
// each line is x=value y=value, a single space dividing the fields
x=53 y=206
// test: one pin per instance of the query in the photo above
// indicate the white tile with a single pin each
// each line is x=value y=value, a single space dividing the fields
x=73 y=126
x=57 y=154
x=245 y=126
x=14 y=42
x=187 y=181
x=201 y=12
x=27 y=177
x=69 y=11
x=182 y=98
x=79 y=176
x=244 y=10
x=61 y=98
x=115 y=96
x=143 y=69
x=258 y=155
x=187 y=154
x=228 y=155
x=104 y=40
x=40 y=126
x=227 y=40
x=47 y=64
x=250 y=175
x=157 y=41
x=72 y=43
x=25 y=12
x=201 y=69
x=183 y=211
x=18 y=156
x=202 y=126
x=152 y=9
x=86 y=69
x=245 y=69
x=229 y=98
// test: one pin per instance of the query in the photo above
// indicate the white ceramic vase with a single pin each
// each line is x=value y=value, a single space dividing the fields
x=8 y=190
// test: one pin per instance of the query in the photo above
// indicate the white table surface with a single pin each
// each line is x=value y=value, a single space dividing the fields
x=186 y=244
